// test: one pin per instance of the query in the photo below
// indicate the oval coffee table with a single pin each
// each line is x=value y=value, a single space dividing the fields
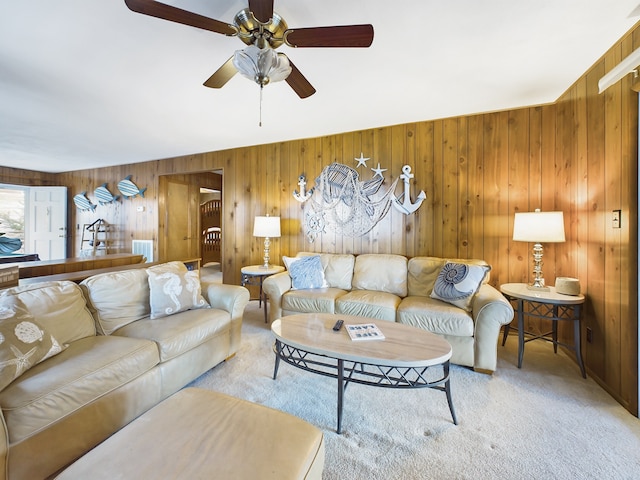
x=403 y=359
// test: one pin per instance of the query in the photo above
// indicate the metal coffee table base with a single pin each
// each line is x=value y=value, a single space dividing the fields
x=366 y=374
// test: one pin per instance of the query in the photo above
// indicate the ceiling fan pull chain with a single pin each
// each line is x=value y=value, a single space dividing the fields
x=260 y=122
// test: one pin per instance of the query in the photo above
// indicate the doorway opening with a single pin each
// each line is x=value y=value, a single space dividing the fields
x=191 y=220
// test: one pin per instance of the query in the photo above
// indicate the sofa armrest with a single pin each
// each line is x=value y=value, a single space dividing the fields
x=232 y=299
x=4 y=449
x=274 y=287
x=490 y=312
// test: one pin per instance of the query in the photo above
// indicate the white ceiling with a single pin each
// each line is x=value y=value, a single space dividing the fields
x=89 y=83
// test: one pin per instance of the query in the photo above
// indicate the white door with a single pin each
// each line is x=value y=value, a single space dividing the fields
x=46 y=232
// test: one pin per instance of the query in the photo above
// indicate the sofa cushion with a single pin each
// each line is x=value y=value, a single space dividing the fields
x=174 y=289
x=320 y=300
x=23 y=342
x=85 y=371
x=177 y=334
x=305 y=272
x=457 y=283
x=59 y=307
x=382 y=273
x=338 y=269
x=423 y=272
x=366 y=303
x=117 y=299
x=435 y=316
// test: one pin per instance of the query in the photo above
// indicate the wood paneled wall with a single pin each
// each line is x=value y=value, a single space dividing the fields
x=17 y=176
x=578 y=155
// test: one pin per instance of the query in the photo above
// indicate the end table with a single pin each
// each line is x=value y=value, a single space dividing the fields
x=548 y=305
x=255 y=275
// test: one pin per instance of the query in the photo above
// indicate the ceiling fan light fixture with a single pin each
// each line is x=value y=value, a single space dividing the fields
x=261 y=65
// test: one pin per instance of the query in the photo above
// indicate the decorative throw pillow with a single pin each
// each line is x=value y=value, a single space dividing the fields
x=173 y=289
x=23 y=341
x=457 y=283
x=305 y=272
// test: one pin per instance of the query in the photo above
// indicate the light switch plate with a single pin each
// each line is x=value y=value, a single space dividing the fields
x=615 y=219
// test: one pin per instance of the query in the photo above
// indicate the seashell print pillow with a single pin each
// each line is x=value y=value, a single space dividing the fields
x=457 y=283
x=23 y=341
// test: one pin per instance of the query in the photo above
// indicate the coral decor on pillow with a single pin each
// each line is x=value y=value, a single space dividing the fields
x=305 y=272
x=23 y=341
x=457 y=283
x=173 y=289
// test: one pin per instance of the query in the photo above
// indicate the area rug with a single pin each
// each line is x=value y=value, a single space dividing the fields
x=543 y=421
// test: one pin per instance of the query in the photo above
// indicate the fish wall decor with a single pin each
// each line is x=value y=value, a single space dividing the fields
x=130 y=189
x=82 y=202
x=104 y=196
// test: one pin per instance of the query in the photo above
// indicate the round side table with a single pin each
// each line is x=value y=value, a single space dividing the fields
x=255 y=275
x=548 y=305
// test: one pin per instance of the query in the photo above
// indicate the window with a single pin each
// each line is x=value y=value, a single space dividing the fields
x=12 y=213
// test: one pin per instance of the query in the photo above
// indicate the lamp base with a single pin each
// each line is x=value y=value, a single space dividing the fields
x=537 y=289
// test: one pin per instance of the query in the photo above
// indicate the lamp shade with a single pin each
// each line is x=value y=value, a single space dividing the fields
x=539 y=227
x=266 y=227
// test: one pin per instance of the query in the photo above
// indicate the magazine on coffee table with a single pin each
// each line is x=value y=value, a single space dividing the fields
x=364 y=331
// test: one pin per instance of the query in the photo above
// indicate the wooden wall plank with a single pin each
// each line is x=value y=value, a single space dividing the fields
x=424 y=166
x=476 y=195
x=450 y=192
x=438 y=182
x=593 y=285
x=612 y=198
x=463 y=188
x=397 y=222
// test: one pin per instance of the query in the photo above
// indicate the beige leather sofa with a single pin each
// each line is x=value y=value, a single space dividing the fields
x=117 y=361
x=394 y=288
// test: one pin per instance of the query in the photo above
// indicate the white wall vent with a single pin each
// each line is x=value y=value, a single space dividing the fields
x=143 y=247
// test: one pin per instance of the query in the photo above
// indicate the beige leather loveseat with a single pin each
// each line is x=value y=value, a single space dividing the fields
x=128 y=340
x=395 y=288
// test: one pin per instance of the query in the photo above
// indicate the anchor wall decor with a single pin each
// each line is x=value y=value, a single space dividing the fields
x=403 y=202
x=304 y=194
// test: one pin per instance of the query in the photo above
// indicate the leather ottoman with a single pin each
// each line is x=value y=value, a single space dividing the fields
x=200 y=434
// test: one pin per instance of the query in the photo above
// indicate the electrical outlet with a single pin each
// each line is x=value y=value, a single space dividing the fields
x=589 y=335
x=615 y=219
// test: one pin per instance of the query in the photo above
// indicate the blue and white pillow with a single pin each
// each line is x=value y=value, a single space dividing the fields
x=305 y=272
x=457 y=283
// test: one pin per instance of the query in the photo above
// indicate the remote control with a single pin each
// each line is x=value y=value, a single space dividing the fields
x=338 y=325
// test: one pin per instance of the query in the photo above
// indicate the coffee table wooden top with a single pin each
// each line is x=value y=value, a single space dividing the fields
x=403 y=345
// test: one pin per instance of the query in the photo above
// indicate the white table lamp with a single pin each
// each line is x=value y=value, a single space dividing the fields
x=267 y=227
x=538 y=227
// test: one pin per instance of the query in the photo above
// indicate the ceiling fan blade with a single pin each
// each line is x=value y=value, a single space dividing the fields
x=174 y=14
x=298 y=82
x=222 y=75
x=262 y=10
x=340 y=36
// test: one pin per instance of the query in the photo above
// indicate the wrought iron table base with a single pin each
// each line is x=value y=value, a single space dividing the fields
x=554 y=313
x=256 y=280
x=347 y=371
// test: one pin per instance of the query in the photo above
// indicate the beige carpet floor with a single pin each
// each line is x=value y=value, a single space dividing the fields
x=211 y=273
x=543 y=421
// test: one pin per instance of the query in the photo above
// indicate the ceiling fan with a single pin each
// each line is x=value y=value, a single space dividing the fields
x=263 y=30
